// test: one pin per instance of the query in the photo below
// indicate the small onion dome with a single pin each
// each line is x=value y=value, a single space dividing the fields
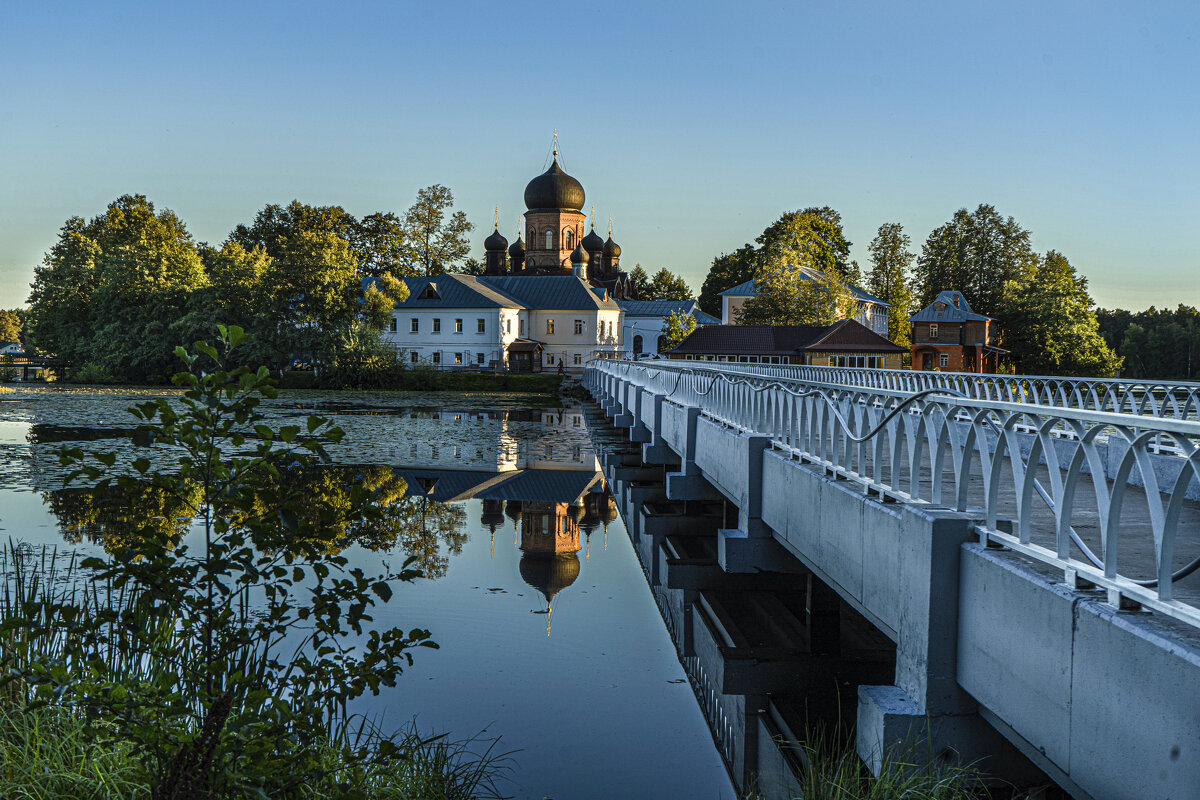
x=517 y=248
x=579 y=255
x=592 y=242
x=495 y=242
x=575 y=512
x=512 y=509
x=492 y=513
x=611 y=248
x=554 y=189
x=549 y=575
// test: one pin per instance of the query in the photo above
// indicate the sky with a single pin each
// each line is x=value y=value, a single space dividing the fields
x=694 y=125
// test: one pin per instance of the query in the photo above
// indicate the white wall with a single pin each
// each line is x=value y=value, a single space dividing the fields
x=649 y=328
x=449 y=345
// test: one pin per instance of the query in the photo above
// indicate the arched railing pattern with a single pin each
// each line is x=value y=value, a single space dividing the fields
x=1099 y=494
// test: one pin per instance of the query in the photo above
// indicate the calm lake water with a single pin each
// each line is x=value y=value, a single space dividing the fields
x=549 y=635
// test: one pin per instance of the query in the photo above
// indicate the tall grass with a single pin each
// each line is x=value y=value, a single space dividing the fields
x=49 y=749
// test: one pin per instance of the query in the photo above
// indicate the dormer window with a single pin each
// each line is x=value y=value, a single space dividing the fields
x=430 y=292
x=939 y=306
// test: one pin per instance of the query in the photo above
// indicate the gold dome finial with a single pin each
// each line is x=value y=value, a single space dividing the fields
x=593 y=218
x=610 y=226
x=556 y=143
x=496 y=218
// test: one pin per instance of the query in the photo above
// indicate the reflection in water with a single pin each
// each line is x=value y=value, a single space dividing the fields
x=116 y=516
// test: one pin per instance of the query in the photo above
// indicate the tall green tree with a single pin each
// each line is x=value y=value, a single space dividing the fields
x=811 y=237
x=786 y=296
x=1051 y=326
x=436 y=239
x=727 y=270
x=676 y=327
x=10 y=325
x=666 y=285
x=639 y=282
x=977 y=253
x=888 y=278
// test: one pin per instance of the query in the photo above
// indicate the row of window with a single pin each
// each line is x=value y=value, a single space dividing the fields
x=874 y=362
x=481 y=326
x=741 y=359
x=578 y=359
x=568 y=238
x=436 y=358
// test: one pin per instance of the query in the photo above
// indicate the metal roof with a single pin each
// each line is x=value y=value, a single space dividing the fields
x=549 y=292
x=452 y=291
x=848 y=336
x=956 y=310
x=528 y=485
x=664 y=308
x=749 y=289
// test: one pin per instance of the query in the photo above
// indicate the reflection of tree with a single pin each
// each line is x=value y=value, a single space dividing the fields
x=114 y=516
x=425 y=525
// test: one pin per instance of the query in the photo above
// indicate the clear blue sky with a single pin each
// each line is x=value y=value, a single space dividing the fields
x=693 y=124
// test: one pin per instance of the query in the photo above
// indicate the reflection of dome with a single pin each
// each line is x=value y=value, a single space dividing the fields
x=575 y=512
x=549 y=575
x=493 y=514
x=512 y=509
x=554 y=189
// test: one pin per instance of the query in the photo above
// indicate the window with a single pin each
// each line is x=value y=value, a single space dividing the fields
x=578 y=327
x=508 y=325
x=392 y=325
x=437 y=326
x=412 y=451
x=413 y=325
x=479 y=358
x=637 y=345
x=521 y=328
x=577 y=453
x=458 y=326
x=549 y=451
x=458 y=358
x=480 y=326
x=549 y=240
x=437 y=358
x=933 y=332
x=549 y=358
x=578 y=359
x=943 y=360
x=413 y=357
x=549 y=327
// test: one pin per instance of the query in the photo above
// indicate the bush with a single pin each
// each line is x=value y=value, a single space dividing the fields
x=224 y=671
x=91 y=372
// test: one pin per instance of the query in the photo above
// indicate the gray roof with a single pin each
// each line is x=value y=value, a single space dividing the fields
x=528 y=485
x=846 y=336
x=454 y=291
x=956 y=310
x=565 y=292
x=664 y=308
x=749 y=289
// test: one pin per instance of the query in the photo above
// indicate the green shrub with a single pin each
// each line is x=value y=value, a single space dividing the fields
x=92 y=373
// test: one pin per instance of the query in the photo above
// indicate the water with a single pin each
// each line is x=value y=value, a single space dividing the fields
x=560 y=652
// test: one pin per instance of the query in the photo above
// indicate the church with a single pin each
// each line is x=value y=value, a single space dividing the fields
x=554 y=242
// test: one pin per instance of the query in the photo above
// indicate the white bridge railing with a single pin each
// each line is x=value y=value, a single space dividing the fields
x=1091 y=492
x=1173 y=399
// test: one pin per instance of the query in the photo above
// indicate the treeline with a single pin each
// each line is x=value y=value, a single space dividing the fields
x=115 y=293
x=1155 y=343
x=1046 y=316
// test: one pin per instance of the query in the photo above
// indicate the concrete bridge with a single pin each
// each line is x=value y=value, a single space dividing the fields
x=1024 y=549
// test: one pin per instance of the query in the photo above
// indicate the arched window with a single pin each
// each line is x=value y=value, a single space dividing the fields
x=549 y=240
x=637 y=345
x=568 y=239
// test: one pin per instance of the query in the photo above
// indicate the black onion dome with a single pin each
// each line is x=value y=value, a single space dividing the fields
x=512 y=509
x=554 y=189
x=592 y=242
x=549 y=575
x=496 y=241
x=579 y=255
x=611 y=248
x=517 y=248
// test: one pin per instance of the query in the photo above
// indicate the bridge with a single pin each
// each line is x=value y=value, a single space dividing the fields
x=1029 y=546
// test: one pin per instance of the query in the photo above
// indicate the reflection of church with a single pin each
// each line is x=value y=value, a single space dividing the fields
x=556 y=243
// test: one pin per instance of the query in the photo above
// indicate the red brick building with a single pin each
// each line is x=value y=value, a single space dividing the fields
x=947 y=335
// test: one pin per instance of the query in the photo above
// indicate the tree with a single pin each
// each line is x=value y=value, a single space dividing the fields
x=10 y=325
x=727 y=270
x=676 y=327
x=666 y=285
x=787 y=296
x=436 y=243
x=379 y=244
x=976 y=253
x=1051 y=327
x=226 y=670
x=639 y=282
x=888 y=278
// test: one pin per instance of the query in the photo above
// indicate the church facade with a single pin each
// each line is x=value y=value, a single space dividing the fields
x=555 y=242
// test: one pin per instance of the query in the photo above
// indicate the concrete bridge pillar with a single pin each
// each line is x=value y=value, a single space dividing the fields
x=688 y=483
x=630 y=400
x=656 y=450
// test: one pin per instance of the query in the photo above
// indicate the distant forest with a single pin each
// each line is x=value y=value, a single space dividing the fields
x=1155 y=343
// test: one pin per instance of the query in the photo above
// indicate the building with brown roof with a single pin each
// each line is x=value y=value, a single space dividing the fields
x=848 y=343
x=948 y=335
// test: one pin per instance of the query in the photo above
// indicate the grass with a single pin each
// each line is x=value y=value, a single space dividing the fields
x=49 y=750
